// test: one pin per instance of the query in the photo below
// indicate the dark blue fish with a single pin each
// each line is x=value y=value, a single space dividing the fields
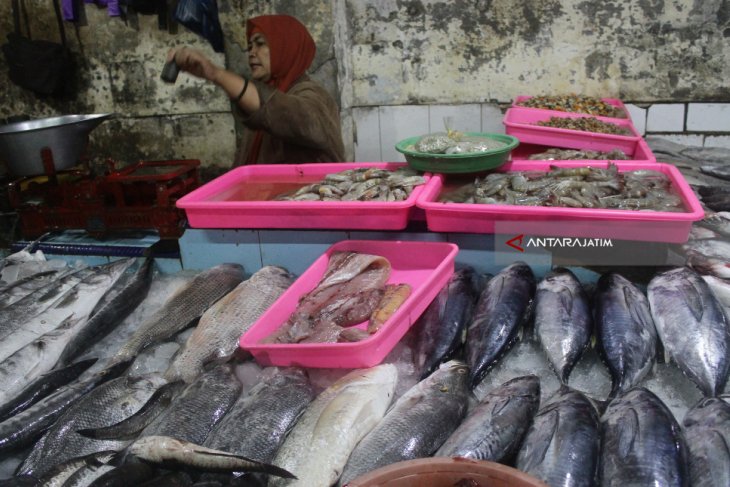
x=707 y=432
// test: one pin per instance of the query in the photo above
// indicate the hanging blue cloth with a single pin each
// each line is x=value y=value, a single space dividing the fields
x=69 y=8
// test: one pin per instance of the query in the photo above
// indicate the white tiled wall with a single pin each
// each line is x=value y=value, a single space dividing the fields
x=378 y=129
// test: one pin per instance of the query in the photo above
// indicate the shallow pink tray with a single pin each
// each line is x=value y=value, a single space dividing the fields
x=521 y=123
x=426 y=266
x=641 y=153
x=234 y=200
x=610 y=101
x=652 y=226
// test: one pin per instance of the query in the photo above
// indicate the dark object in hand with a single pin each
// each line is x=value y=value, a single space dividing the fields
x=170 y=72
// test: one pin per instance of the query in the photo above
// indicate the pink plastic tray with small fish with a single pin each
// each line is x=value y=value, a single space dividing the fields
x=522 y=123
x=243 y=198
x=615 y=102
x=425 y=266
x=641 y=153
x=622 y=224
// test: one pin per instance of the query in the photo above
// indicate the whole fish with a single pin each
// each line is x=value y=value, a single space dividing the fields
x=709 y=256
x=494 y=429
x=439 y=332
x=201 y=405
x=417 y=424
x=625 y=330
x=58 y=475
x=43 y=386
x=164 y=450
x=718 y=222
x=77 y=302
x=125 y=475
x=266 y=413
x=24 y=427
x=719 y=171
x=215 y=338
x=497 y=318
x=107 y=404
x=562 y=445
x=563 y=322
x=707 y=433
x=130 y=427
x=35 y=359
x=721 y=289
x=183 y=307
x=118 y=302
x=641 y=443
x=19 y=289
x=692 y=326
x=320 y=443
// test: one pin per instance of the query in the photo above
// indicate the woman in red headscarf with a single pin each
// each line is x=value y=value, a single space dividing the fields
x=288 y=117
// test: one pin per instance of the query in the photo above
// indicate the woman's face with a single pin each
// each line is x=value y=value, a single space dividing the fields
x=259 y=58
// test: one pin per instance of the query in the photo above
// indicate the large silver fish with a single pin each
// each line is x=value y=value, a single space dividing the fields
x=118 y=302
x=19 y=289
x=266 y=413
x=215 y=338
x=561 y=447
x=494 y=429
x=707 y=432
x=641 y=443
x=440 y=330
x=709 y=256
x=193 y=414
x=563 y=323
x=417 y=424
x=497 y=318
x=107 y=404
x=77 y=302
x=625 y=330
x=321 y=441
x=692 y=326
x=183 y=307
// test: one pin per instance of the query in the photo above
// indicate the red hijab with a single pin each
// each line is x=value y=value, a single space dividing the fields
x=291 y=49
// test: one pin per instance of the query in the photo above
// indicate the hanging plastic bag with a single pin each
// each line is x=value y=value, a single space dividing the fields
x=40 y=66
x=201 y=17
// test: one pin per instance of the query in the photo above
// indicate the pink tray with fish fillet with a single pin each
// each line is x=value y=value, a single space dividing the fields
x=425 y=266
x=244 y=198
x=621 y=224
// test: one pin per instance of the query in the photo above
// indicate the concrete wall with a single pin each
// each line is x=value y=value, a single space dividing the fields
x=398 y=66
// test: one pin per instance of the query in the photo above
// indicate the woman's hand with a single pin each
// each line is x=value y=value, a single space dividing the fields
x=194 y=62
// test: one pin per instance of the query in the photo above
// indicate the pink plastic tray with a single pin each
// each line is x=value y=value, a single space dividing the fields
x=652 y=226
x=238 y=199
x=521 y=123
x=426 y=266
x=610 y=101
x=641 y=153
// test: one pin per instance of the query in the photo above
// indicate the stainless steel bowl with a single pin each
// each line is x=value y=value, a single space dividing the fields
x=67 y=136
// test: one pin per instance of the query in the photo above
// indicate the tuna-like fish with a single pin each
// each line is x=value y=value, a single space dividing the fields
x=118 y=302
x=43 y=386
x=692 y=326
x=562 y=445
x=563 y=321
x=194 y=413
x=107 y=404
x=164 y=450
x=439 y=332
x=215 y=338
x=266 y=413
x=77 y=301
x=497 y=318
x=625 y=330
x=321 y=441
x=494 y=429
x=641 y=443
x=183 y=307
x=21 y=429
x=417 y=424
x=707 y=432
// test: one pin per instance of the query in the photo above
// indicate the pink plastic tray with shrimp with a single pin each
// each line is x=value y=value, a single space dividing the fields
x=609 y=101
x=426 y=266
x=651 y=226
